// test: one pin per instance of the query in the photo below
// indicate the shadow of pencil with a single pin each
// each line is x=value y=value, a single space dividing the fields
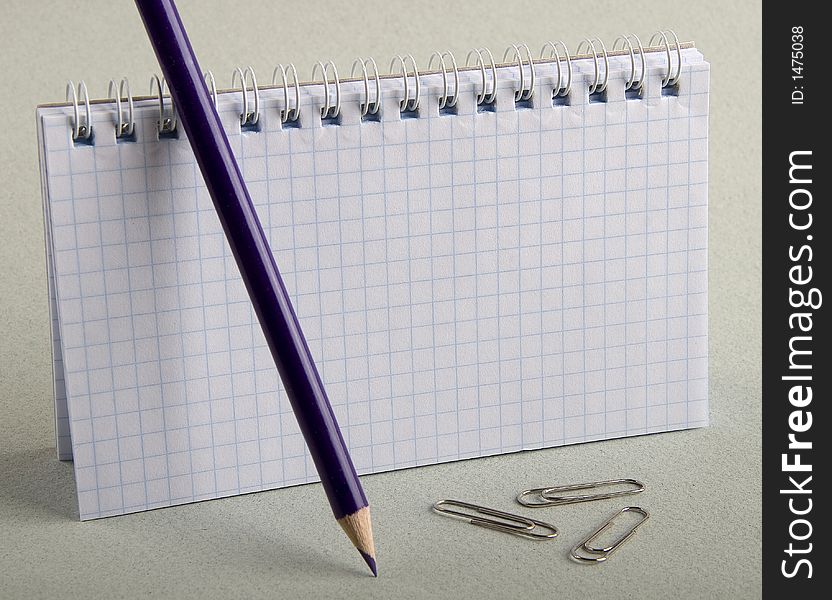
x=35 y=484
x=228 y=533
x=255 y=540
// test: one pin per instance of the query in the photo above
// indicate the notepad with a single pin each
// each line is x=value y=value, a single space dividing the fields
x=484 y=278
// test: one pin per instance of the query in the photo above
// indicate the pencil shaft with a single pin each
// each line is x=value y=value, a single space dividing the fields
x=254 y=257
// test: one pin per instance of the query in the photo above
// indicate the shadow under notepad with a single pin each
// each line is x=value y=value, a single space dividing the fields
x=35 y=483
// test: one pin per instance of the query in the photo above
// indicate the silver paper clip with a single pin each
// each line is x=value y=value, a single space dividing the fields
x=594 y=555
x=553 y=496
x=513 y=524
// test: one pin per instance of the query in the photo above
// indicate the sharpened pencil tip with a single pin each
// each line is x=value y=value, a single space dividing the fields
x=358 y=528
x=371 y=562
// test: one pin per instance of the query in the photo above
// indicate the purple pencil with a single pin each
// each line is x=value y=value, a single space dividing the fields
x=262 y=279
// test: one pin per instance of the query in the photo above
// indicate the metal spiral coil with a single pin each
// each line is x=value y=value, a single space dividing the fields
x=554 y=67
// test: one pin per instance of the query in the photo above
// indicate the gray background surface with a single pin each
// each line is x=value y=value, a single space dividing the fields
x=703 y=485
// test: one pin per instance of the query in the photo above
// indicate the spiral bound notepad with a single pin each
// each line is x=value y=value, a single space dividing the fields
x=485 y=257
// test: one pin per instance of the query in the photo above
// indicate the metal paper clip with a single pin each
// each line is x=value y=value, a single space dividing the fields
x=514 y=524
x=549 y=496
x=597 y=555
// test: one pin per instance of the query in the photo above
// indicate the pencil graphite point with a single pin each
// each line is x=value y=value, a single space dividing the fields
x=371 y=562
x=359 y=529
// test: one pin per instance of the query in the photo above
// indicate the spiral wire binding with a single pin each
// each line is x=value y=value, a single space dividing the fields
x=523 y=93
x=553 y=54
x=329 y=111
x=166 y=125
x=288 y=114
x=484 y=97
x=625 y=40
x=81 y=132
x=407 y=104
x=589 y=44
x=368 y=107
x=124 y=129
x=247 y=119
x=208 y=76
x=669 y=79
x=444 y=99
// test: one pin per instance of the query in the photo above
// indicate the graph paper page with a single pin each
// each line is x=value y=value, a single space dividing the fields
x=470 y=284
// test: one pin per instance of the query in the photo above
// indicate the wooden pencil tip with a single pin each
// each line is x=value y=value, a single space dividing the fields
x=359 y=529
